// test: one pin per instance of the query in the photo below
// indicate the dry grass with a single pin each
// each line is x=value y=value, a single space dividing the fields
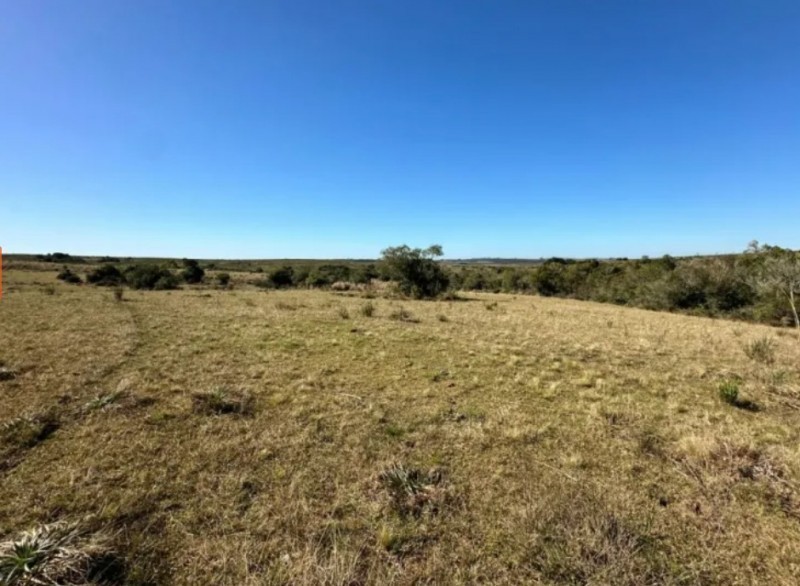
x=543 y=441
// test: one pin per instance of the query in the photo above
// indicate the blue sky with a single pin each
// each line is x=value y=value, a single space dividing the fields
x=301 y=128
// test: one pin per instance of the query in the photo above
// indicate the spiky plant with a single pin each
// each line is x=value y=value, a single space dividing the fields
x=58 y=553
x=412 y=489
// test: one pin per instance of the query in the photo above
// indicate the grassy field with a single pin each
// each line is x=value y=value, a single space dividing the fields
x=243 y=437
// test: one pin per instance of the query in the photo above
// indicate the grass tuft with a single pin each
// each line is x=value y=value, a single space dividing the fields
x=413 y=491
x=102 y=402
x=402 y=314
x=58 y=553
x=761 y=350
x=221 y=401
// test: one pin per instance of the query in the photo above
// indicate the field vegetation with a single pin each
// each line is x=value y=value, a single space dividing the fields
x=228 y=432
x=762 y=284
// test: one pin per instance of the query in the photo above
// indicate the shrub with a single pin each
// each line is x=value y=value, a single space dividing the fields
x=105 y=276
x=149 y=276
x=368 y=309
x=223 y=279
x=68 y=276
x=281 y=278
x=192 y=272
x=343 y=313
x=119 y=294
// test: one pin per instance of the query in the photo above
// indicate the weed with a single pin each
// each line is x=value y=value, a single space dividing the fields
x=49 y=290
x=283 y=306
x=119 y=293
x=222 y=401
x=761 y=350
x=368 y=309
x=343 y=313
x=491 y=306
x=442 y=318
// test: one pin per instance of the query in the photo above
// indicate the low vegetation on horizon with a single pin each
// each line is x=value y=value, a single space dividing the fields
x=393 y=422
x=762 y=284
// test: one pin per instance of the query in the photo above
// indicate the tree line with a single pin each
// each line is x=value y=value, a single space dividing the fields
x=760 y=284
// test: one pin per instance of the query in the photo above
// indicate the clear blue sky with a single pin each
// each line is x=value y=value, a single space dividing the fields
x=301 y=128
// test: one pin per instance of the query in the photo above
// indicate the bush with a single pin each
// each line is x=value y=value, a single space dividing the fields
x=192 y=272
x=148 y=276
x=281 y=278
x=105 y=276
x=223 y=279
x=68 y=276
x=368 y=309
x=415 y=270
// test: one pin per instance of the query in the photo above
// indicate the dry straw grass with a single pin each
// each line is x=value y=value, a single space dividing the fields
x=244 y=438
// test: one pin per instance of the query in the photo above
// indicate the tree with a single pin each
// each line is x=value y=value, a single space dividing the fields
x=780 y=274
x=416 y=271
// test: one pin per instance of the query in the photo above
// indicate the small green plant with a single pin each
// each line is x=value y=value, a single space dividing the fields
x=729 y=391
x=491 y=306
x=343 y=313
x=221 y=401
x=368 y=309
x=761 y=350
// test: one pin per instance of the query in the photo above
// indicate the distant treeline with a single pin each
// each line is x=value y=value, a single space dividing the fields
x=762 y=284
x=758 y=285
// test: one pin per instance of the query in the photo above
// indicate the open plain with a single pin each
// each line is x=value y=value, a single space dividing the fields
x=244 y=437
